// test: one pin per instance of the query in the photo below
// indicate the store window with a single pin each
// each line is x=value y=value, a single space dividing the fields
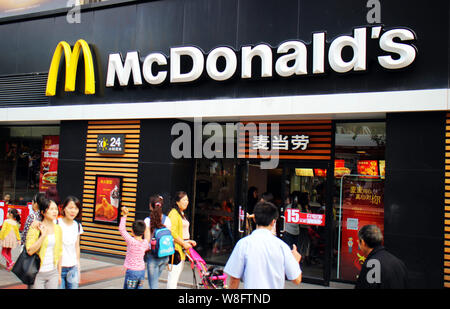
x=359 y=191
x=28 y=161
x=214 y=209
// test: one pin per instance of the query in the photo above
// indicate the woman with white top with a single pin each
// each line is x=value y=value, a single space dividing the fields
x=45 y=239
x=70 y=271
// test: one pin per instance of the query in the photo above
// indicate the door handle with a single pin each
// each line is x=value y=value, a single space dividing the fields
x=284 y=224
x=241 y=220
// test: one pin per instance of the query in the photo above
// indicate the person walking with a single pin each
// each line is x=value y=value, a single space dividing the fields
x=155 y=221
x=137 y=244
x=180 y=233
x=72 y=229
x=45 y=239
x=262 y=260
x=32 y=216
x=10 y=236
x=292 y=230
x=381 y=269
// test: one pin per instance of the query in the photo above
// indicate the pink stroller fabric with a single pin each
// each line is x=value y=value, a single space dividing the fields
x=210 y=278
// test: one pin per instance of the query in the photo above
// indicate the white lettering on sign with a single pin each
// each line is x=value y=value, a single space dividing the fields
x=296 y=217
x=396 y=52
x=51 y=154
x=280 y=142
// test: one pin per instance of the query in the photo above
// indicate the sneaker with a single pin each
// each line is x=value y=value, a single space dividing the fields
x=8 y=268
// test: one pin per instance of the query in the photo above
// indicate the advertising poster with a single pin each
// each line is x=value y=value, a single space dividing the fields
x=48 y=175
x=296 y=217
x=107 y=199
x=339 y=169
x=362 y=204
x=18 y=7
x=368 y=167
x=23 y=212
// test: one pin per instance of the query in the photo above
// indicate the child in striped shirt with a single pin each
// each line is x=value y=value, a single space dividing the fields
x=137 y=244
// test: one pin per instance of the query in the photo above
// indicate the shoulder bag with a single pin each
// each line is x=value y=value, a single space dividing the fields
x=26 y=267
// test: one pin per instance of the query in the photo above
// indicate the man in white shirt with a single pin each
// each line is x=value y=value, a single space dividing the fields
x=262 y=260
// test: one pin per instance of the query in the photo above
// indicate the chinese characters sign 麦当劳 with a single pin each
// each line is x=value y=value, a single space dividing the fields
x=280 y=142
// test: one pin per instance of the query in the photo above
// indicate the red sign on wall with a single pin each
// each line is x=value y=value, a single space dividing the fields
x=362 y=204
x=107 y=199
x=49 y=162
x=23 y=212
x=297 y=217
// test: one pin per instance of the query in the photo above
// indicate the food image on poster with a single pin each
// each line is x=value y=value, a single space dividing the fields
x=340 y=169
x=107 y=199
x=48 y=175
x=368 y=167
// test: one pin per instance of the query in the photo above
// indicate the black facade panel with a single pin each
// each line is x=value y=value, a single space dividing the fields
x=159 y=172
x=72 y=151
x=414 y=194
x=157 y=26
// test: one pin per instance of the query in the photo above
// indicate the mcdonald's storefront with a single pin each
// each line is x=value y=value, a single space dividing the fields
x=299 y=98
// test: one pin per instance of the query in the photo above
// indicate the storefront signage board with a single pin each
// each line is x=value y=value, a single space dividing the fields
x=111 y=143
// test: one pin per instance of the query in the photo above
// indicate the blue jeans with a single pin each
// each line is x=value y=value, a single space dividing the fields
x=155 y=266
x=69 y=278
x=134 y=279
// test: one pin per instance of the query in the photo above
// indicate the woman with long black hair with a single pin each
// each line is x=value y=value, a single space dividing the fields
x=156 y=220
x=180 y=233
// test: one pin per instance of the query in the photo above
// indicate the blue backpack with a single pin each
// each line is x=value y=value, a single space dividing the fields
x=164 y=244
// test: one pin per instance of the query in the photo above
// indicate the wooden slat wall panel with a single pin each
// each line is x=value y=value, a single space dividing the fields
x=319 y=132
x=103 y=238
x=447 y=207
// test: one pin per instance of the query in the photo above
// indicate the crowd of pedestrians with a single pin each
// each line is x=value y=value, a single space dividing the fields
x=259 y=260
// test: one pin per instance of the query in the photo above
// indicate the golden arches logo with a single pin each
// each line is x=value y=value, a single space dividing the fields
x=71 y=57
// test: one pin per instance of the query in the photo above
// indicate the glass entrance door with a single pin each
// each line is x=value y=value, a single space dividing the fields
x=215 y=208
x=305 y=200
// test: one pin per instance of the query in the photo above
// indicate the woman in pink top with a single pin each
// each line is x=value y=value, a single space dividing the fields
x=137 y=244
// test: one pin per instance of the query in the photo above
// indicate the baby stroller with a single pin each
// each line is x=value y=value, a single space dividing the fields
x=211 y=278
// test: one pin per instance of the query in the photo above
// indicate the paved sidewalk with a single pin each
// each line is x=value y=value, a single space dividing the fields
x=100 y=272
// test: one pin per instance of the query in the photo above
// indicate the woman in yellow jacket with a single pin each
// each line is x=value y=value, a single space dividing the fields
x=180 y=233
x=45 y=238
x=10 y=236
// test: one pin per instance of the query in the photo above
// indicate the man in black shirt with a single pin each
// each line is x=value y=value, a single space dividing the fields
x=381 y=269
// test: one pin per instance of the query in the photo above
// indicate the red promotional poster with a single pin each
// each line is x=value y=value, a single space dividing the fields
x=107 y=199
x=339 y=169
x=297 y=217
x=49 y=162
x=362 y=204
x=23 y=212
x=368 y=167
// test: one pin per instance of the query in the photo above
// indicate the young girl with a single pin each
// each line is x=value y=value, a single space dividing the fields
x=70 y=264
x=156 y=220
x=45 y=238
x=136 y=247
x=9 y=236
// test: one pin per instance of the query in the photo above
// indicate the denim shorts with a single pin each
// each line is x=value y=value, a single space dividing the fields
x=134 y=279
